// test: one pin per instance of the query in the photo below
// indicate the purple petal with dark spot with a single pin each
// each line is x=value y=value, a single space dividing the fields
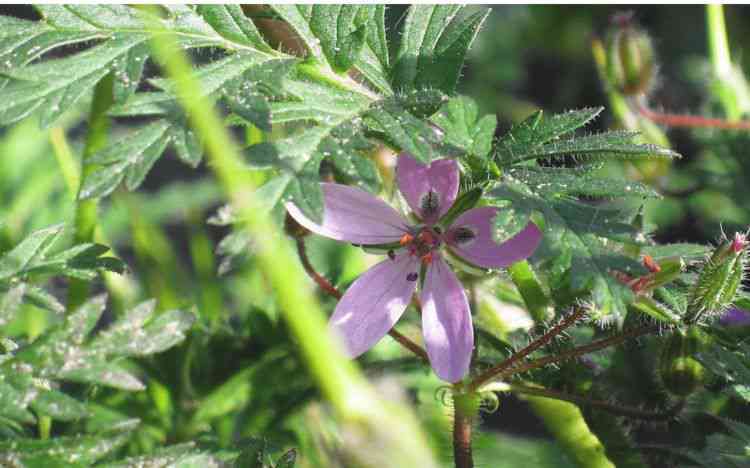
x=429 y=190
x=480 y=248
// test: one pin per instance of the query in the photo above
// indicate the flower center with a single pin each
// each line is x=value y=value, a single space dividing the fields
x=423 y=242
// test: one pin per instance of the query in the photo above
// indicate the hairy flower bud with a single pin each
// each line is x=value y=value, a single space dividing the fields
x=719 y=281
x=630 y=57
x=679 y=371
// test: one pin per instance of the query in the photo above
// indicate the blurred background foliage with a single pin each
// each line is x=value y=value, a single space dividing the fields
x=237 y=379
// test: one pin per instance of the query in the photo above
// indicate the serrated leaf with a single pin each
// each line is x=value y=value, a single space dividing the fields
x=59 y=406
x=684 y=250
x=79 y=451
x=434 y=42
x=26 y=252
x=127 y=159
x=571 y=182
x=406 y=132
x=230 y=21
x=572 y=247
x=538 y=129
x=726 y=450
x=589 y=148
x=459 y=119
x=341 y=31
x=56 y=85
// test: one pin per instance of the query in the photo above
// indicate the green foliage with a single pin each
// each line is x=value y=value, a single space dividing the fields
x=584 y=239
x=323 y=92
x=27 y=264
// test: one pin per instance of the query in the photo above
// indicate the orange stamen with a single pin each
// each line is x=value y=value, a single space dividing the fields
x=650 y=263
x=427 y=259
x=406 y=239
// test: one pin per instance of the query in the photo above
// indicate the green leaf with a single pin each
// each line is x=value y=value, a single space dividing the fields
x=79 y=451
x=590 y=148
x=434 y=42
x=729 y=450
x=342 y=32
x=573 y=248
x=56 y=85
x=30 y=249
x=230 y=21
x=459 y=119
x=555 y=182
x=538 y=129
x=405 y=131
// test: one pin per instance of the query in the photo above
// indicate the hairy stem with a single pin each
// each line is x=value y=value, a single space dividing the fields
x=465 y=409
x=621 y=410
x=87 y=210
x=581 y=350
x=331 y=290
x=533 y=346
x=691 y=121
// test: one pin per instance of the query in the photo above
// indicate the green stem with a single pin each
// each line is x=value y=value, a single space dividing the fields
x=466 y=406
x=718 y=45
x=731 y=89
x=87 y=210
x=537 y=302
x=566 y=423
x=353 y=399
x=45 y=427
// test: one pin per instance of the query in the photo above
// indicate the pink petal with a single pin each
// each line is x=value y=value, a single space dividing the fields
x=478 y=246
x=446 y=322
x=353 y=215
x=374 y=303
x=429 y=190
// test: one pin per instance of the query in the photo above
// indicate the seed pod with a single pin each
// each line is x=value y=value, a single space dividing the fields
x=719 y=281
x=630 y=57
x=679 y=371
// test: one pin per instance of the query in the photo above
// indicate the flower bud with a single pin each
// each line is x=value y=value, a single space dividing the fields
x=630 y=57
x=679 y=371
x=719 y=281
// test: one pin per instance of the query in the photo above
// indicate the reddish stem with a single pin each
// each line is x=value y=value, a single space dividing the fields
x=691 y=121
x=533 y=346
x=331 y=290
x=462 y=453
x=581 y=350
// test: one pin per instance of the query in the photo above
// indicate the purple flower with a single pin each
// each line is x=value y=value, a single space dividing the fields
x=377 y=299
x=735 y=317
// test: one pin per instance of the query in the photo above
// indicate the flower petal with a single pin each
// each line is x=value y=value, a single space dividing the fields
x=429 y=190
x=446 y=322
x=471 y=238
x=353 y=215
x=374 y=303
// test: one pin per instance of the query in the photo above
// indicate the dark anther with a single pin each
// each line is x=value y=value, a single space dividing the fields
x=463 y=234
x=392 y=255
x=412 y=276
x=437 y=229
x=429 y=204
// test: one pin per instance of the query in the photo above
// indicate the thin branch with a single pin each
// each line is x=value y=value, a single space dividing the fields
x=581 y=350
x=533 y=346
x=691 y=121
x=629 y=411
x=331 y=290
